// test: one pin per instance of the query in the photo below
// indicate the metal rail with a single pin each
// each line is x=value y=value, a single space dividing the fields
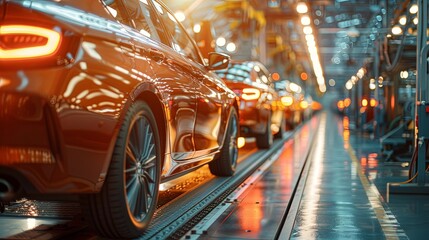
x=171 y=222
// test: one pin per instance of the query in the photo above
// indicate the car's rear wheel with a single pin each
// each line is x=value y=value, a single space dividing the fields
x=225 y=162
x=265 y=140
x=128 y=199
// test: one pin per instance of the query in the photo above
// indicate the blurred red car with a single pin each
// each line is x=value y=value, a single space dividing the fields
x=261 y=111
x=106 y=100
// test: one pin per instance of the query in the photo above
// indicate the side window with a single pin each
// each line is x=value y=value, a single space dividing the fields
x=136 y=14
x=114 y=8
x=182 y=43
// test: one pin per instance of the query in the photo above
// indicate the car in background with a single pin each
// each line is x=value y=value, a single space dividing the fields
x=105 y=100
x=261 y=112
x=297 y=106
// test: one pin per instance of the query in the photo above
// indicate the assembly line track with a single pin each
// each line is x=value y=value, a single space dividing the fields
x=177 y=218
x=173 y=222
x=288 y=221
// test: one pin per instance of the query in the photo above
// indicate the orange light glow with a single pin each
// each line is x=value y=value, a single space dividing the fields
x=372 y=102
x=340 y=104
x=363 y=161
x=4 y=82
x=22 y=34
x=304 y=76
x=275 y=76
x=346 y=132
x=346 y=123
x=364 y=102
x=250 y=94
x=347 y=102
x=316 y=106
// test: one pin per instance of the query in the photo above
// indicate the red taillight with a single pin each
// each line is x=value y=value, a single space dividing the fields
x=19 y=42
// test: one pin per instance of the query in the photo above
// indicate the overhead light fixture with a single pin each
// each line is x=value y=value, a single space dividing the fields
x=322 y=88
x=309 y=37
x=308 y=30
x=372 y=85
x=231 y=47
x=349 y=85
x=414 y=9
x=180 y=16
x=305 y=20
x=396 y=30
x=403 y=74
x=197 y=28
x=403 y=20
x=220 y=41
x=301 y=7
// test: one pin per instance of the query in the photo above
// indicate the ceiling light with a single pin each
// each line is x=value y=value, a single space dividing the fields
x=396 y=30
x=301 y=7
x=372 y=84
x=308 y=30
x=349 y=85
x=305 y=20
x=220 y=41
x=403 y=74
x=180 y=16
x=416 y=20
x=309 y=37
x=403 y=20
x=197 y=28
x=231 y=47
x=414 y=9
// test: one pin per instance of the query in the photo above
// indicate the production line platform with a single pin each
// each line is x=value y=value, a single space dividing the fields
x=323 y=180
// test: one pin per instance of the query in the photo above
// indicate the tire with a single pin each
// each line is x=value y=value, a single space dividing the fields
x=225 y=162
x=128 y=198
x=265 y=140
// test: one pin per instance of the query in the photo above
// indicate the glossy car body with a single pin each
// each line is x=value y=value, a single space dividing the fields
x=87 y=89
x=261 y=111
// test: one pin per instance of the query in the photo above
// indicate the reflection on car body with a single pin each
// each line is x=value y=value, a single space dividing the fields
x=100 y=104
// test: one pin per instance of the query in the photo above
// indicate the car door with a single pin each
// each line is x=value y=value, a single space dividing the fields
x=207 y=93
x=209 y=123
x=175 y=70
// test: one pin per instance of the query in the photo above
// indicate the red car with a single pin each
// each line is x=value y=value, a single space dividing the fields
x=105 y=101
x=261 y=111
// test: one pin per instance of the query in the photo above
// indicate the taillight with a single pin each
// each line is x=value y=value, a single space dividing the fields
x=19 y=42
x=250 y=94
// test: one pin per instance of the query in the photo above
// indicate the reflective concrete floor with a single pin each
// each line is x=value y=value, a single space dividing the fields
x=343 y=195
